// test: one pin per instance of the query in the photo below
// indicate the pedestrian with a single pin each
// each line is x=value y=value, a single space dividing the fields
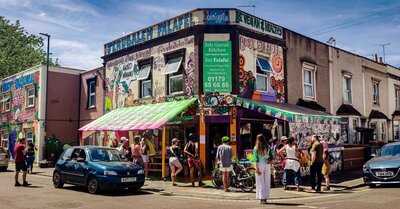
x=125 y=150
x=224 y=158
x=145 y=154
x=30 y=157
x=263 y=158
x=326 y=167
x=20 y=163
x=292 y=166
x=316 y=153
x=193 y=160
x=174 y=163
x=136 y=151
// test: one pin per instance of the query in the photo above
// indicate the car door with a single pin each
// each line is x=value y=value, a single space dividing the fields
x=80 y=168
x=72 y=168
x=62 y=165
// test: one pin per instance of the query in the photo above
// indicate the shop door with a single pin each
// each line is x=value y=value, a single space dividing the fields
x=215 y=132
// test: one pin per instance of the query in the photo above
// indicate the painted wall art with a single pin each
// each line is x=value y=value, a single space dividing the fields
x=123 y=74
x=261 y=70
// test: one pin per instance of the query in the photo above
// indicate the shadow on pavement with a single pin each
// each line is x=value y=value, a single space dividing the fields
x=284 y=204
x=120 y=192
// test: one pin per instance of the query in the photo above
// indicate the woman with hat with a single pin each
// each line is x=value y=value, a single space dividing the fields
x=174 y=163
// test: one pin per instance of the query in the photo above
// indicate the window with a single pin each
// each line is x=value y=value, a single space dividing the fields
x=91 y=100
x=397 y=97
x=263 y=69
x=309 y=81
x=174 y=72
x=67 y=154
x=145 y=80
x=29 y=135
x=30 y=97
x=347 y=97
x=375 y=92
x=6 y=100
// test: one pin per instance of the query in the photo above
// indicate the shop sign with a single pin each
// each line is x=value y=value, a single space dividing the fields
x=216 y=16
x=217 y=66
x=164 y=28
x=258 y=24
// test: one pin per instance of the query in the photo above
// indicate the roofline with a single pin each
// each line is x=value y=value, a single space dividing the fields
x=21 y=72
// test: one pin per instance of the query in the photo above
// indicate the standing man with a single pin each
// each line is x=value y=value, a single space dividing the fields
x=20 y=164
x=194 y=162
x=317 y=161
x=224 y=157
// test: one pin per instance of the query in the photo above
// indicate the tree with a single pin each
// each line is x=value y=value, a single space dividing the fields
x=19 y=50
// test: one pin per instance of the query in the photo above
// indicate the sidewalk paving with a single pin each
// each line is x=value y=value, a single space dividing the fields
x=208 y=192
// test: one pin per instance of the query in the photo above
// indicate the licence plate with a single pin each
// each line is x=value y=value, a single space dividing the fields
x=384 y=173
x=128 y=179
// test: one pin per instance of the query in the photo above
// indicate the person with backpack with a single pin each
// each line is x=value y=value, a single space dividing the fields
x=174 y=162
x=30 y=156
x=292 y=165
x=193 y=160
x=224 y=158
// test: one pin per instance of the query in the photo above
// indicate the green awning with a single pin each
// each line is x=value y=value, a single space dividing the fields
x=288 y=112
x=144 y=117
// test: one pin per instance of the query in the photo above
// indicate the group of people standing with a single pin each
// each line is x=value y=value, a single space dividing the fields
x=24 y=156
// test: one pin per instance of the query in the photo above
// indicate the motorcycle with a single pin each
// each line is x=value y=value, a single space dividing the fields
x=239 y=178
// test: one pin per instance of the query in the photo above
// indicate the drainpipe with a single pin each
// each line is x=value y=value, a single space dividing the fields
x=79 y=107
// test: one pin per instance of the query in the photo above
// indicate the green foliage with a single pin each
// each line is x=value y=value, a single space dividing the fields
x=18 y=49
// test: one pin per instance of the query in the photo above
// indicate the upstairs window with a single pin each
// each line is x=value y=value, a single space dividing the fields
x=91 y=94
x=30 y=97
x=263 y=70
x=375 y=92
x=6 y=100
x=347 y=96
x=397 y=97
x=174 y=72
x=145 y=81
x=309 y=81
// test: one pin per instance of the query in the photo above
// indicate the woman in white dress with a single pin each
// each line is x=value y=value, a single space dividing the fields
x=292 y=165
x=262 y=157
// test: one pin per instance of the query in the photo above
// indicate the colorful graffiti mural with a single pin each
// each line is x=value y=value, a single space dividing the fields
x=261 y=70
x=123 y=74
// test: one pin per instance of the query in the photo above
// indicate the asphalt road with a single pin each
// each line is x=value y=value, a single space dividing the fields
x=42 y=195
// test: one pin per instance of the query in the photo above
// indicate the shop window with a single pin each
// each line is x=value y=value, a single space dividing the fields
x=145 y=81
x=263 y=69
x=91 y=94
x=29 y=136
x=4 y=140
x=309 y=81
x=174 y=72
x=397 y=97
x=375 y=92
x=347 y=95
x=30 y=96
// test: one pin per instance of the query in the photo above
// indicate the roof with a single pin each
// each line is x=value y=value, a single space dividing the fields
x=143 y=117
x=311 y=105
x=375 y=114
x=347 y=109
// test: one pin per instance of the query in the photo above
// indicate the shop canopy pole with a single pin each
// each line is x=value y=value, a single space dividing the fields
x=164 y=153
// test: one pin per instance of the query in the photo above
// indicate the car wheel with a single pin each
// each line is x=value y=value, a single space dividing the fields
x=93 y=186
x=57 y=180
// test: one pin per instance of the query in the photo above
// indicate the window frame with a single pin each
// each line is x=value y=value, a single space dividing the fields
x=8 y=96
x=312 y=68
x=375 y=95
x=266 y=76
x=142 y=64
x=179 y=73
x=397 y=97
x=142 y=82
x=347 y=92
x=28 y=97
x=91 y=103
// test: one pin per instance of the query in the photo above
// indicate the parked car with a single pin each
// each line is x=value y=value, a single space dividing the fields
x=3 y=159
x=97 y=168
x=384 y=168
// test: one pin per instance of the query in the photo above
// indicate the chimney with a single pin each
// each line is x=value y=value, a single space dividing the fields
x=376 y=57
x=380 y=60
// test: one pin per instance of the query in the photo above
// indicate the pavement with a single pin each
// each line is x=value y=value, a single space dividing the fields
x=339 y=184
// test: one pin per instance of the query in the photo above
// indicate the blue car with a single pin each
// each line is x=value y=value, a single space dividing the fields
x=384 y=168
x=97 y=168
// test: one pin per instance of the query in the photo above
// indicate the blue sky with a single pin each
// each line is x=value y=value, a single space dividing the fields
x=79 y=29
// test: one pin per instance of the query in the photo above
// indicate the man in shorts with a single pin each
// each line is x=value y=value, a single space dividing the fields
x=20 y=164
x=224 y=157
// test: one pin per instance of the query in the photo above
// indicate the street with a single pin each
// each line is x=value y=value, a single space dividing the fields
x=42 y=195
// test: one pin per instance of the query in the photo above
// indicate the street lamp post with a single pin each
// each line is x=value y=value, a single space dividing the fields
x=43 y=135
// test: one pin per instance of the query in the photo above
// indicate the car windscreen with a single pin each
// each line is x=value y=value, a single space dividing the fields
x=390 y=150
x=106 y=155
